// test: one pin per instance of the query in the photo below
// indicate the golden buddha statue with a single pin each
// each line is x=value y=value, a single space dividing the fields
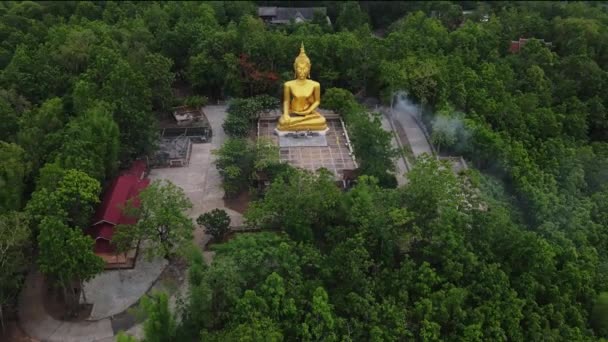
x=301 y=98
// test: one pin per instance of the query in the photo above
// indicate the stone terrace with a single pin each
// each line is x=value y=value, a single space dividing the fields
x=336 y=156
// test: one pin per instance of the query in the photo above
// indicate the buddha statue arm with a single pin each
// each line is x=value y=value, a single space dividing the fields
x=317 y=93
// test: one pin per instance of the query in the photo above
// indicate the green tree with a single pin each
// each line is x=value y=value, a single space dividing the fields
x=433 y=188
x=338 y=99
x=287 y=196
x=236 y=126
x=444 y=132
x=14 y=256
x=449 y=13
x=216 y=223
x=319 y=324
x=280 y=306
x=239 y=162
x=40 y=131
x=91 y=144
x=112 y=79
x=258 y=329
x=233 y=11
x=599 y=315
x=234 y=162
x=163 y=225
x=160 y=324
x=8 y=121
x=30 y=73
x=157 y=71
x=351 y=16
x=66 y=256
x=416 y=33
x=204 y=71
x=242 y=113
x=122 y=337
x=72 y=199
x=349 y=263
x=371 y=143
x=196 y=101
x=13 y=173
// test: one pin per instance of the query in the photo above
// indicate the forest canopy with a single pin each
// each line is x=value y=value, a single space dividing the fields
x=83 y=84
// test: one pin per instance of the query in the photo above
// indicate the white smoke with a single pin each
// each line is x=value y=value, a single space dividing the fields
x=402 y=104
x=450 y=124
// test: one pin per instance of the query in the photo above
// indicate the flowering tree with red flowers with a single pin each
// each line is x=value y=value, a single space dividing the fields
x=257 y=81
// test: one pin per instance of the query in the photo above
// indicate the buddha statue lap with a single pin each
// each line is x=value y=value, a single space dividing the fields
x=301 y=98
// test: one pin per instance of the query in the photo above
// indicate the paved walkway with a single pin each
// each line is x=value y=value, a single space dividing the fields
x=202 y=184
x=38 y=324
x=413 y=131
x=113 y=292
x=200 y=180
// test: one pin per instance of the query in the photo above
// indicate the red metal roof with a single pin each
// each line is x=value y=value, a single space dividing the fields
x=138 y=169
x=515 y=46
x=114 y=199
x=110 y=212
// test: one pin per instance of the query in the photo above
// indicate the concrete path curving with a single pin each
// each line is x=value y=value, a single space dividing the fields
x=113 y=292
x=37 y=323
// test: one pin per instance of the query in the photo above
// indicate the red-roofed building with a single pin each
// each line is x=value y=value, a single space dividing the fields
x=516 y=45
x=110 y=212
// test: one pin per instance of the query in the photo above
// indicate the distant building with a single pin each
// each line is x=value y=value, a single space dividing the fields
x=110 y=213
x=516 y=45
x=286 y=15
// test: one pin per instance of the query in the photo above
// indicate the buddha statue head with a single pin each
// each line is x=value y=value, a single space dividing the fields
x=302 y=65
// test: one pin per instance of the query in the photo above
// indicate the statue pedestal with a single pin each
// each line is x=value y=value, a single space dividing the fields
x=309 y=141
x=302 y=134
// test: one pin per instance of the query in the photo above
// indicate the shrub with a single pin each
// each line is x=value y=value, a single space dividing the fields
x=236 y=126
x=338 y=100
x=239 y=159
x=266 y=102
x=235 y=164
x=196 y=101
x=243 y=112
x=216 y=223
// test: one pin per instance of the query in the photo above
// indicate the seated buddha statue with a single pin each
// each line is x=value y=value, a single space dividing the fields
x=301 y=98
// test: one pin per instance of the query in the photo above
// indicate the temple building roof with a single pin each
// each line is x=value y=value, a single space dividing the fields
x=110 y=211
x=284 y=15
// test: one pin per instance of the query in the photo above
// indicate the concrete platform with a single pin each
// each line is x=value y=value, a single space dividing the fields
x=336 y=156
